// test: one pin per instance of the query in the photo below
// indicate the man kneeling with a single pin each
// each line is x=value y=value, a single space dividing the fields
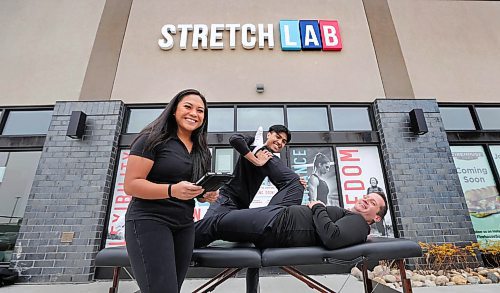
x=293 y=226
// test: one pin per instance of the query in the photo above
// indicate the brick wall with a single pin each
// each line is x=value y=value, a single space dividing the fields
x=428 y=200
x=70 y=193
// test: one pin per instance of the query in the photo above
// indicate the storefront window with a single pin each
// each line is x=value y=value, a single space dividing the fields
x=17 y=170
x=495 y=152
x=361 y=173
x=307 y=119
x=220 y=119
x=224 y=160
x=140 y=118
x=351 y=119
x=480 y=190
x=27 y=122
x=489 y=118
x=457 y=118
x=249 y=119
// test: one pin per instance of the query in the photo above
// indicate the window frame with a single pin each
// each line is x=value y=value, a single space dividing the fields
x=21 y=142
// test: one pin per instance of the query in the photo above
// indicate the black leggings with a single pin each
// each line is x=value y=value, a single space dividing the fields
x=159 y=255
x=290 y=194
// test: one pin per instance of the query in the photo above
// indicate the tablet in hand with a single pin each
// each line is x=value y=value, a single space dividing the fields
x=213 y=181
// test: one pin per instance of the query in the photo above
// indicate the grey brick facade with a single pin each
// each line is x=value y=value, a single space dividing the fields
x=427 y=197
x=69 y=194
x=72 y=185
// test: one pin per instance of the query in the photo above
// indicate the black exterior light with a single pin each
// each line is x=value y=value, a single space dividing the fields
x=417 y=122
x=259 y=88
x=76 y=125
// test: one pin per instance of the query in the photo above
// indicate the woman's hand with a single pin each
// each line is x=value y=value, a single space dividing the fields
x=186 y=190
x=210 y=196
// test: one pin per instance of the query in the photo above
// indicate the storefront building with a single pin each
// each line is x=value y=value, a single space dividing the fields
x=343 y=75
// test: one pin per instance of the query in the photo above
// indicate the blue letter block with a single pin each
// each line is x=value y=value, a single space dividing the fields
x=310 y=35
x=290 y=35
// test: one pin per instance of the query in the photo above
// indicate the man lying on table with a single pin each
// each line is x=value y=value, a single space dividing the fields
x=312 y=225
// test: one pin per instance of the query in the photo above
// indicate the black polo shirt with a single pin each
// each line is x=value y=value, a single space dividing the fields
x=332 y=227
x=172 y=164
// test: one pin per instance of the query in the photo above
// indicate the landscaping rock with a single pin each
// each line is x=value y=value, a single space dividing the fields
x=486 y=281
x=417 y=284
x=441 y=280
x=379 y=280
x=459 y=280
x=357 y=273
x=390 y=278
x=473 y=280
x=409 y=274
x=379 y=271
x=430 y=277
x=429 y=283
x=492 y=277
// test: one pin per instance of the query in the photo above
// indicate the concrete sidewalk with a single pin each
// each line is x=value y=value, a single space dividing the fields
x=338 y=283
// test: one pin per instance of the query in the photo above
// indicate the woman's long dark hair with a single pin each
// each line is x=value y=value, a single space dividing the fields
x=164 y=128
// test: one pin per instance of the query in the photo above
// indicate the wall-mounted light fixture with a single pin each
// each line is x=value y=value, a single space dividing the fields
x=417 y=122
x=260 y=88
x=76 y=126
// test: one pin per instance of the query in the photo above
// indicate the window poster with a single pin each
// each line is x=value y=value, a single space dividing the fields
x=316 y=166
x=119 y=205
x=265 y=192
x=480 y=191
x=360 y=173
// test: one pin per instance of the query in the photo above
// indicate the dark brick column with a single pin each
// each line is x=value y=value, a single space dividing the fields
x=428 y=200
x=70 y=193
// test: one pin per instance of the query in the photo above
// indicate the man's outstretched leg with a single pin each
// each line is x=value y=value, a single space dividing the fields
x=290 y=195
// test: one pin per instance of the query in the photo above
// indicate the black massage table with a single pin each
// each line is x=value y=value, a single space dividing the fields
x=235 y=257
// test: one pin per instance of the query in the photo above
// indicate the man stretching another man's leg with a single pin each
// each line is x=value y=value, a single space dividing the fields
x=293 y=226
x=249 y=173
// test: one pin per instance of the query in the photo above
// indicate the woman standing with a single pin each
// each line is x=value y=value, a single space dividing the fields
x=317 y=187
x=165 y=159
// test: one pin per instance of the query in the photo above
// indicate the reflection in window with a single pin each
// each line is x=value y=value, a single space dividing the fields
x=27 y=122
x=17 y=170
x=489 y=118
x=307 y=119
x=351 y=119
x=220 y=119
x=224 y=160
x=140 y=118
x=457 y=118
x=249 y=119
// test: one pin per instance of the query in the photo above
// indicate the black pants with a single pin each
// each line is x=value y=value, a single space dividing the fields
x=248 y=225
x=291 y=194
x=159 y=255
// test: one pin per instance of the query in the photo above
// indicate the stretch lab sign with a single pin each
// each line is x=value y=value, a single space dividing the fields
x=295 y=35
